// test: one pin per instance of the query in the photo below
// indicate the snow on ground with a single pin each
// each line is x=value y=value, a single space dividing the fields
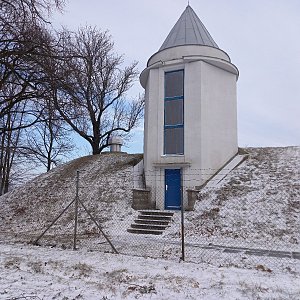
x=257 y=204
x=31 y=272
x=105 y=187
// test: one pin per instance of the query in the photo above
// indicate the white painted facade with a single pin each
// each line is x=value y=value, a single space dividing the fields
x=210 y=116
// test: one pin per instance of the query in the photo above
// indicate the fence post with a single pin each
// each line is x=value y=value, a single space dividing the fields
x=76 y=210
x=182 y=227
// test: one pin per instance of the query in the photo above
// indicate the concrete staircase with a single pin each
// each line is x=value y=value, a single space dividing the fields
x=151 y=222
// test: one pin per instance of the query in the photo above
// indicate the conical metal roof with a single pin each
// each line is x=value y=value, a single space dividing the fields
x=188 y=30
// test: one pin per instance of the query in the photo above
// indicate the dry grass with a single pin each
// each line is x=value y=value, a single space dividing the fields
x=104 y=180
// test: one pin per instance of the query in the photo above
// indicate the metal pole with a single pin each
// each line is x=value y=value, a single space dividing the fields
x=99 y=227
x=182 y=227
x=54 y=221
x=76 y=210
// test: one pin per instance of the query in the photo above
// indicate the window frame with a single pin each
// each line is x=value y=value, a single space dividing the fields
x=173 y=98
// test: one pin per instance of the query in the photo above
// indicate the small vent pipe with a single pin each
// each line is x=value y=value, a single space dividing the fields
x=116 y=143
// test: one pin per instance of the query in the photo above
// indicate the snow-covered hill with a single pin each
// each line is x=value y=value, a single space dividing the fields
x=105 y=182
x=257 y=204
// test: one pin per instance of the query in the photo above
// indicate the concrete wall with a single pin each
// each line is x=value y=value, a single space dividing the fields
x=218 y=117
x=188 y=53
x=138 y=175
x=210 y=129
x=187 y=50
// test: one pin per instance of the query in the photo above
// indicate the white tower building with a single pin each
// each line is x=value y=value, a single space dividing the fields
x=190 y=112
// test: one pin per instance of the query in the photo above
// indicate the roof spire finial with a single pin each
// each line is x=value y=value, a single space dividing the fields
x=188 y=2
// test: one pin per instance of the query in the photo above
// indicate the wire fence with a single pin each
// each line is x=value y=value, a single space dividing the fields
x=242 y=220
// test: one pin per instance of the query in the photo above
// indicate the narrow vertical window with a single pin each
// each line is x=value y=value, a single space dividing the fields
x=173 y=109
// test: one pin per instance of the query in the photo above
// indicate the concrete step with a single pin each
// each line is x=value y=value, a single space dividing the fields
x=148 y=226
x=156 y=213
x=160 y=218
x=153 y=222
x=144 y=231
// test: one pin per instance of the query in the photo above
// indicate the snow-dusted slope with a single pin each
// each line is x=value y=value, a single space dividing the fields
x=105 y=181
x=257 y=204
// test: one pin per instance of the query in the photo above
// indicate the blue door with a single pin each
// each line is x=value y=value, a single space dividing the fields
x=172 y=188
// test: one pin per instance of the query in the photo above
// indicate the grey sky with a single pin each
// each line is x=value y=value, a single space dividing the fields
x=260 y=36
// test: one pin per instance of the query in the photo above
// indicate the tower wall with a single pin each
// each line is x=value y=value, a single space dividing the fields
x=218 y=117
x=195 y=116
x=187 y=50
x=210 y=129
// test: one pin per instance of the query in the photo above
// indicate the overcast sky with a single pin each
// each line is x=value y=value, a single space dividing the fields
x=260 y=36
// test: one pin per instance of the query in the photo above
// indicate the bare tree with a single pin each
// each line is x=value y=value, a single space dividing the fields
x=91 y=97
x=48 y=141
x=9 y=141
x=23 y=36
x=20 y=75
x=25 y=45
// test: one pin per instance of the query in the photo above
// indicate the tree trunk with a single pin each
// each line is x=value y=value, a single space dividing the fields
x=96 y=148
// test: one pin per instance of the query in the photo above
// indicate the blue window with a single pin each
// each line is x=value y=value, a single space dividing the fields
x=173 y=112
